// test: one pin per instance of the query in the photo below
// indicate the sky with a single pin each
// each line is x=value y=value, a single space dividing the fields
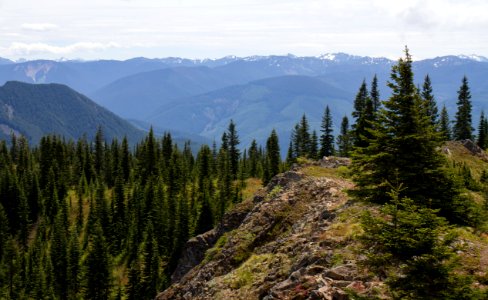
x=122 y=29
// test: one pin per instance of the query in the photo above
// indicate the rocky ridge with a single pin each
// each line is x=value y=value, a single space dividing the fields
x=292 y=240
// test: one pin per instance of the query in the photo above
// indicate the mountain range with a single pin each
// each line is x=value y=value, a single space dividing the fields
x=200 y=97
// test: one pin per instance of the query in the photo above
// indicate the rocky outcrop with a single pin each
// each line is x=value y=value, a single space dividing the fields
x=334 y=161
x=195 y=248
x=293 y=241
x=474 y=149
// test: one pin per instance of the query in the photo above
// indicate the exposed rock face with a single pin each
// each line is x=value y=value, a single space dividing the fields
x=293 y=243
x=196 y=247
x=474 y=149
x=334 y=161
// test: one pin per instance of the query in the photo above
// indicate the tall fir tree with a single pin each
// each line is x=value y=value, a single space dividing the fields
x=463 y=129
x=429 y=101
x=364 y=125
x=375 y=94
x=273 y=156
x=326 y=138
x=98 y=279
x=234 y=153
x=360 y=101
x=343 y=139
x=314 y=146
x=405 y=139
x=482 y=140
x=445 y=125
x=302 y=140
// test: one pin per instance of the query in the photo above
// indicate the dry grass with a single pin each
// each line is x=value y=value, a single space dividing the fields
x=460 y=154
x=252 y=186
x=318 y=171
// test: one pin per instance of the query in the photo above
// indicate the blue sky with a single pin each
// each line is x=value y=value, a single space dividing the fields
x=121 y=29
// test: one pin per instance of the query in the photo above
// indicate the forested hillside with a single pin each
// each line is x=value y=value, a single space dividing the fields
x=95 y=219
x=35 y=110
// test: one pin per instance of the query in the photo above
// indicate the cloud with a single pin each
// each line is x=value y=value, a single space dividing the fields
x=20 y=49
x=39 y=26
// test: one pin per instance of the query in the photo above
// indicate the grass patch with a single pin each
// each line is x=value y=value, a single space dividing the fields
x=460 y=154
x=252 y=186
x=255 y=269
x=216 y=249
x=318 y=171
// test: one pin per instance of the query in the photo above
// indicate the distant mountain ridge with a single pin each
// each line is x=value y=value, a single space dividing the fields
x=38 y=110
x=201 y=96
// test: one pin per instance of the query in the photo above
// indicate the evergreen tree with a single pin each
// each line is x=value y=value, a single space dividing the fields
x=150 y=274
x=98 y=279
x=205 y=217
x=99 y=153
x=375 y=94
x=314 y=146
x=73 y=267
x=482 y=132
x=463 y=129
x=234 y=153
x=134 y=286
x=445 y=125
x=290 y=156
x=408 y=244
x=364 y=125
x=59 y=257
x=406 y=140
x=429 y=101
x=119 y=221
x=360 y=101
x=273 y=155
x=4 y=231
x=343 y=140
x=327 y=138
x=302 y=137
x=253 y=159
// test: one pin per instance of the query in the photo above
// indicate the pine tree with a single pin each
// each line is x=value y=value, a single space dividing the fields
x=327 y=138
x=364 y=125
x=314 y=146
x=134 y=286
x=343 y=140
x=273 y=154
x=59 y=257
x=98 y=279
x=302 y=137
x=205 y=217
x=445 y=125
x=408 y=243
x=253 y=159
x=73 y=267
x=150 y=274
x=406 y=141
x=375 y=94
x=234 y=153
x=360 y=101
x=482 y=132
x=99 y=153
x=290 y=156
x=4 y=231
x=429 y=101
x=463 y=129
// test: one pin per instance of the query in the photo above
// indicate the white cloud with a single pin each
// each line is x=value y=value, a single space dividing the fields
x=26 y=49
x=244 y=27
x=39 y=26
